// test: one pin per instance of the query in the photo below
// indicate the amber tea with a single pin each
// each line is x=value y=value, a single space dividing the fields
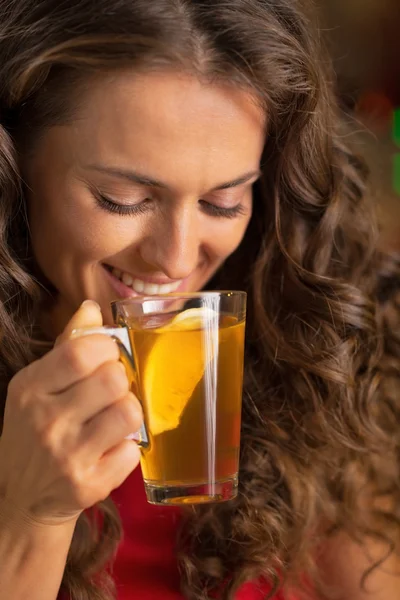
x=189 y=377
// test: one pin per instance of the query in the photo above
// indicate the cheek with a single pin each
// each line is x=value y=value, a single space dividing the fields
x=224 y=236
x=72 y=230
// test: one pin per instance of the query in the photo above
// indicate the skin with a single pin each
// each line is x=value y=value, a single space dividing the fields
x=344 y=563
x=191 y=136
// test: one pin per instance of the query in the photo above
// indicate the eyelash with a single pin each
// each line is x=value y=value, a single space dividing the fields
x=221 y=212
x=142 y=207
x=121 y=209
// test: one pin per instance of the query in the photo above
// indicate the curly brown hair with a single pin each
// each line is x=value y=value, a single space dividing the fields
x=321 y=394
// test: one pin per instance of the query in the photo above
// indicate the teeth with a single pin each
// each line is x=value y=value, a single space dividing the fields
x=138 y=286
x=151 y=288
x=141 y=287
x=127 y=279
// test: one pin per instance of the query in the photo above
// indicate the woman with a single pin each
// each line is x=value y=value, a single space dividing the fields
x=189 y=145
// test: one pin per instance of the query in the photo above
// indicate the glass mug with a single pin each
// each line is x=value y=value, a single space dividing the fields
x=184 y=357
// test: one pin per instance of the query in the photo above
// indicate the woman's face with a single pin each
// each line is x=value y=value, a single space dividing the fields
x=147 y=190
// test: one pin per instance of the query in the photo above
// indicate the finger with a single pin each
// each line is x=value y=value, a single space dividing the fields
x=71 y=362
x=110 y=427
x=87 y=316
x=86 y=399
x=115 y=466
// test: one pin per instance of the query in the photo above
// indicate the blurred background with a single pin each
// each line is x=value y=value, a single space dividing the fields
x=364 y=39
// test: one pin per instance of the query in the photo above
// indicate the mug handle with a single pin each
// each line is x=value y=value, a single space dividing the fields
x=121 y=337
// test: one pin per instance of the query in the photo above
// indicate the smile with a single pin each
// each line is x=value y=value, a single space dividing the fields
x=143 y=287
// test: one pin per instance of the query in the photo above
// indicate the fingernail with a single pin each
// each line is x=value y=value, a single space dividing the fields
x=91 y=303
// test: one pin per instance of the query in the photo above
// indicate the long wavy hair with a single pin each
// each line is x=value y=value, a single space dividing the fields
x=321 y=394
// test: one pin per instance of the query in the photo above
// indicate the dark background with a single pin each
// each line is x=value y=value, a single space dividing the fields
x=364 y=39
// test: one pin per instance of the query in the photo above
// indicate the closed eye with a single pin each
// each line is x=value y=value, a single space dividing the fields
x=122 y=209
x=222 y=212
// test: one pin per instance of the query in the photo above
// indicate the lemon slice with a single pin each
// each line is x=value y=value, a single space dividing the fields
x=192 y=318
x=175 y=365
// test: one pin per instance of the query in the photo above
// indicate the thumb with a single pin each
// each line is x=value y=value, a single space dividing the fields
x=88 y=315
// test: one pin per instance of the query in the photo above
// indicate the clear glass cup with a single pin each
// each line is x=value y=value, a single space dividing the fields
x=184 y=354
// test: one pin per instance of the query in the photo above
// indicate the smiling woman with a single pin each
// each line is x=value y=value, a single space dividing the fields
x=153 y=187
x=151 y=147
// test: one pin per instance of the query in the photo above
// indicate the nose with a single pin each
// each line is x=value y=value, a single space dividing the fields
x=173 y=247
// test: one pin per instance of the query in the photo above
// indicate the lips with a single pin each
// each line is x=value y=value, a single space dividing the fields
x=143 y=287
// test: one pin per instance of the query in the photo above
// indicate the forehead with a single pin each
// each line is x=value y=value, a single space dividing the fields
x=165 y=122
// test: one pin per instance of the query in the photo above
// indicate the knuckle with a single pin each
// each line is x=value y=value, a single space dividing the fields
x=16 y=385
x=76 y=356
x=77 y=481
x=85 y=354
x=49 y=436
x=17 y=391
x=21 y=387
x=100 y=345
x=24 y=395
x=130 y=413
x=72 y=472
x=115 y=380
x=84 y=490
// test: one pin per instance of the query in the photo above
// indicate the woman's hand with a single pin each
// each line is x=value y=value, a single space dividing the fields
x=63 y=445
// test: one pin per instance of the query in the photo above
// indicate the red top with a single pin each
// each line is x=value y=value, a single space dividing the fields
x=145 y=567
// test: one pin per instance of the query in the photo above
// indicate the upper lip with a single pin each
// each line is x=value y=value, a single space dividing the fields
x=145 y=278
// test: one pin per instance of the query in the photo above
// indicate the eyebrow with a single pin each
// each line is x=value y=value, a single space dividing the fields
x=144 y=180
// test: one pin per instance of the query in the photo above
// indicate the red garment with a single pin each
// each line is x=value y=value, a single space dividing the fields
x=145 y=567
